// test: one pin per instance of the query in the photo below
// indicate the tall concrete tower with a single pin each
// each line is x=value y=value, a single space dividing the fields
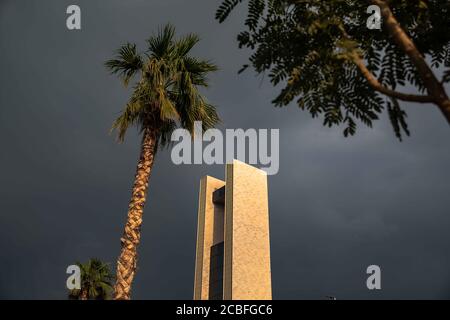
x=233 y=248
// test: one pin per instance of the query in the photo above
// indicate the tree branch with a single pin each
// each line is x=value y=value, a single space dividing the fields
x=376 y=85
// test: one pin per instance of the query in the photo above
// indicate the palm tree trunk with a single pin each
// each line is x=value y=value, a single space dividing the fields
x=126 y=263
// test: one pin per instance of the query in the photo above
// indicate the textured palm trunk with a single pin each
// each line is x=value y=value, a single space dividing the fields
x=435 y=88
x=126 y=263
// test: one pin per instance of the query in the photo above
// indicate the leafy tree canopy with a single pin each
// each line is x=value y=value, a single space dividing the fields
x=96 y=281
x=333 y=65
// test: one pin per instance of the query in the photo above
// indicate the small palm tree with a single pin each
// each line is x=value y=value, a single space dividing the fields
x=96 y=281
x=165 y=96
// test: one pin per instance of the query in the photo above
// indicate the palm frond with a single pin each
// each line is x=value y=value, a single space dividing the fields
x=96 y=280
x=199 y=69
x=185 y=44
x=168 y=110
x=167 y=95
x=165 y=135
x=129 y=117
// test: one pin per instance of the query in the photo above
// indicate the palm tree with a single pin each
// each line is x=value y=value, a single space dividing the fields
x=96 y=281
x=165 y=96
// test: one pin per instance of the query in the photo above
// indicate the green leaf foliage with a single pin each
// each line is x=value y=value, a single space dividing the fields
x=167 y=80
x=307 y=47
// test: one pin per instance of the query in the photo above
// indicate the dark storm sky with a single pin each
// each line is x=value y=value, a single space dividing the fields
x=336 y=206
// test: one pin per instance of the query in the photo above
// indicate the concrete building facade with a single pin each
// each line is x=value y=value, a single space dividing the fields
x=233 y=248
